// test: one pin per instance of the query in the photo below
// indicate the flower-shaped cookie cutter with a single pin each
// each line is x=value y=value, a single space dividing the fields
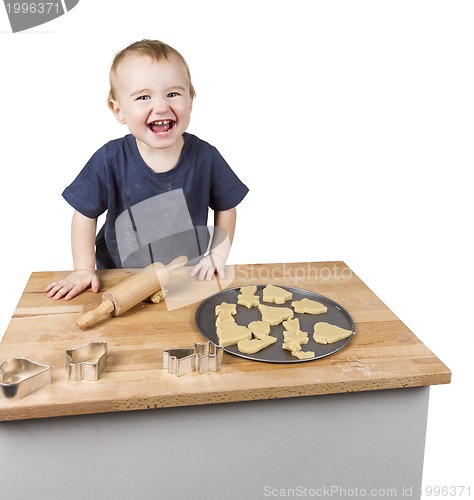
x=20 y=377
x=202 y=358
x=86 y=362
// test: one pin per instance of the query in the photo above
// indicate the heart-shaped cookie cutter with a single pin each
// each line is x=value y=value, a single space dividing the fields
x=20 y=377
x=203 y=357
x=86 y=362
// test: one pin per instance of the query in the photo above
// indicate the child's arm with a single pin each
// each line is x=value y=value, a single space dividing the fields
x=83 y=251
x=224 y=223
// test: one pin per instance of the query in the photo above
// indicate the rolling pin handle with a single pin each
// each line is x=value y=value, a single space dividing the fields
x=87 y=319
x=176 y=263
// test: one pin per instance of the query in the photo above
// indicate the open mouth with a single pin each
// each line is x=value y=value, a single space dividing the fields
x=161 y=126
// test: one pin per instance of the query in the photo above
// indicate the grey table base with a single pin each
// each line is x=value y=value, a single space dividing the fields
x=331 y=446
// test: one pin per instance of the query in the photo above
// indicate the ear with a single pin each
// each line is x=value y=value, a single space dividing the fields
x=115 y=108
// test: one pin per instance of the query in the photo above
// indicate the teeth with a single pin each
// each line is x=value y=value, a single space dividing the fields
x=164 y=122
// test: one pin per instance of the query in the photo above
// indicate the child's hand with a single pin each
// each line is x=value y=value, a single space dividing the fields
x=209 y=265
x=73 y=285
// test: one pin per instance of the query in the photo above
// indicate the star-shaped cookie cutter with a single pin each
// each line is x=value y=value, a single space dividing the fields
x=86 y=362
x=203 y=357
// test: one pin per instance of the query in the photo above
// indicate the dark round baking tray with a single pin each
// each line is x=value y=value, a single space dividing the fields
x=206 y=318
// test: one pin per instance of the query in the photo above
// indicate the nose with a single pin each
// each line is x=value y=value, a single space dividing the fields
x=160 y=105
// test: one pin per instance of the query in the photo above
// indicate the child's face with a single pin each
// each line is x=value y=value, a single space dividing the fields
x=153 y=99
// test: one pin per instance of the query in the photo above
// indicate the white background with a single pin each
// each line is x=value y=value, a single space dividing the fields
x=358 y=113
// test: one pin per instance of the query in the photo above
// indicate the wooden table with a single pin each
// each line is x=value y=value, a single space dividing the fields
x=384 y=354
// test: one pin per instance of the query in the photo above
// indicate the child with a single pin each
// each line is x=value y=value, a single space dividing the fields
x=151 y=92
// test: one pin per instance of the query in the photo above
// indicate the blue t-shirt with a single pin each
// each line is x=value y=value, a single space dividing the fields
x=116 y=179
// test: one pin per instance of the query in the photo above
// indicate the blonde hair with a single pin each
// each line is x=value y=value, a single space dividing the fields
x=154 y=49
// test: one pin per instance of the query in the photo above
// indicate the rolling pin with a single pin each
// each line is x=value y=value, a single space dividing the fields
x=132 y=291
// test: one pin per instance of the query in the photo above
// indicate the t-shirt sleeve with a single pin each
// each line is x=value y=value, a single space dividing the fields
x=88 y=192
x=227 y=190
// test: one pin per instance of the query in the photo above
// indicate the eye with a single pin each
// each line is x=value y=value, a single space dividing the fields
x=173 y=94
x=143 y=98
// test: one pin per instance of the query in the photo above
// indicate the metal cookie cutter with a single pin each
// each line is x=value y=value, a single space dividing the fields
x=208 y=357
x=179 y=361
x=20 y=377
x=203 y=357
x=86 y=361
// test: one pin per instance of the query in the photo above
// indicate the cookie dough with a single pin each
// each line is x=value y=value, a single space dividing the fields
x=259 y=329
x=308 y=306
x=275 y=315
x=302 y=354
x=298 y=337
x=224 y=316
x=230 y=333
x=255 y=345
x=248 y=290
x=157 y=297
x=247 y=296
x=292 y=325
x=291 y=346
x=225 y=307
x=248 y=300
x=325 y=333
x=272 y=293
x=295 y=348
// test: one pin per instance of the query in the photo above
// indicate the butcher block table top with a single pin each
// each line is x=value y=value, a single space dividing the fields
x=383 y=354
